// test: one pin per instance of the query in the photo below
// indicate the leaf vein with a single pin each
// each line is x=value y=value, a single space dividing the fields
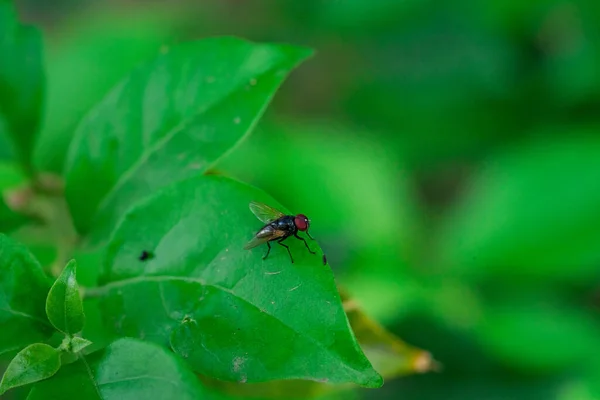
x=91 y=376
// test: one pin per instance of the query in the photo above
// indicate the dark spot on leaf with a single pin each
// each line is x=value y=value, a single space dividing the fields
x=187 y=319
x=146 y=255
x=324 y=259
x=215 y=172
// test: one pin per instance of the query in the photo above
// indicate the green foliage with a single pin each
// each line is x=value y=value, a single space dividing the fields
x=63 y=305
x=190 y=97
x=171 y=303
x=21 y=83
x=446 y=153
x=34 y=363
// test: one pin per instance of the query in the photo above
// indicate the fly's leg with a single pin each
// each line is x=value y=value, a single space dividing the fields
x=311 y=238
x=286 y=246
x=306 y=244
x=266 y=255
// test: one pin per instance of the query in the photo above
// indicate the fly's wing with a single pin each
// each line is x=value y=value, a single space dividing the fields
x=265 y=213
x=256 y=241
x=263 y=236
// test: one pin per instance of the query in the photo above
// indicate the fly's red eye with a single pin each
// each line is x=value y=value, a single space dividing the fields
x=301 y=222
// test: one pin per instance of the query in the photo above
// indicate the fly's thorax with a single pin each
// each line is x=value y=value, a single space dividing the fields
x=286 y=224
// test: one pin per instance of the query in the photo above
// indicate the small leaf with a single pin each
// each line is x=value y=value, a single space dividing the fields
x=21 y=82
x=172 y=118
x=23 y=290
x=228 y=312
x=63 y=305
x=34 y=363
x=126 y=369
x=77 y=344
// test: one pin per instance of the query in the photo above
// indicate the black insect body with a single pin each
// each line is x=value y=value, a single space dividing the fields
x=146 y=255
x=278 y=228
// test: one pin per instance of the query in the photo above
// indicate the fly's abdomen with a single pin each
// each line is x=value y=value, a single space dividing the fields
x=266 y=232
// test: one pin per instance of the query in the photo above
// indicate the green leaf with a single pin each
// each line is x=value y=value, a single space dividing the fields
x=533 y=210
x=127 y=369
x=232 y=315
x=23 y=290
x=21 y=82
x=34 y=363
x=77 y=344
x=170 y=119
x=63 y=305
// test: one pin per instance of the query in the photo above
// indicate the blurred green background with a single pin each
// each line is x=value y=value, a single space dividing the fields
x=447 y=153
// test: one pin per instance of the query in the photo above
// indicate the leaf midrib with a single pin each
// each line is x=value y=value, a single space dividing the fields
x=31 y=366
x=166 y=278
x=174 y=131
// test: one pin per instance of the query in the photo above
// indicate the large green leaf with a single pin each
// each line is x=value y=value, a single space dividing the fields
x=63 y=305
x=170 y=119
x=32 y=364
x=232 y=315
x=21 y=82
x=23 y=290
x=127 y=369
x=531 y=212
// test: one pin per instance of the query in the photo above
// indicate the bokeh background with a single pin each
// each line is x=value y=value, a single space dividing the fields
x=447 y=153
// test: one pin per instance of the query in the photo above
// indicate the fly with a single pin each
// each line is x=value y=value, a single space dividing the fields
x=278 y=227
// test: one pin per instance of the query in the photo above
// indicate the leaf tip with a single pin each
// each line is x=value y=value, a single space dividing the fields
x=373 y=380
